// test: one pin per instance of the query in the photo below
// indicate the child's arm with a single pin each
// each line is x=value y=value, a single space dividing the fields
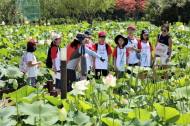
x=170 y=47
x=31 y=63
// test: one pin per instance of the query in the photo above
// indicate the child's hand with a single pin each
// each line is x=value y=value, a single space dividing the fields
x=115 y=68
x=54 y=69
x=39 y=64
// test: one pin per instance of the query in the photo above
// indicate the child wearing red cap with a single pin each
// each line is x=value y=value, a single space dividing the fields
x=103 y=49
x=31 y=62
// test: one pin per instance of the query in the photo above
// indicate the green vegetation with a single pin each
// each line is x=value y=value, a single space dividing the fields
x=130 y=101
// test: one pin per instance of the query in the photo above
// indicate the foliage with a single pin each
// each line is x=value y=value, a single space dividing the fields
x=125 y=101
x=131 y=7
x=167 y=10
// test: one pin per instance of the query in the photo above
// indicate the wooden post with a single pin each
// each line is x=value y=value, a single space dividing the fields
x=63 y=73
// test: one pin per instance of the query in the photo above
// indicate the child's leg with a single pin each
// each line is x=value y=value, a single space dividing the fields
x=120 y=74
x=32 y=81
x=71 y=77
x=104 y=72
x=58 y=84
x=98 y=73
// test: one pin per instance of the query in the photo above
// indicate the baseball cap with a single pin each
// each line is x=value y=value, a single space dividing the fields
x=102 y=34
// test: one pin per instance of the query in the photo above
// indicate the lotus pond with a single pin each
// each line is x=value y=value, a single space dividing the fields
x=142 y=99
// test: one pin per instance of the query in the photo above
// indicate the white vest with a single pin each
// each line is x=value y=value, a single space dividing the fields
x=145 y=54
x=89 y=61
x=132 y=53
x=58 y=65
x=101 y=50
x=121 y=59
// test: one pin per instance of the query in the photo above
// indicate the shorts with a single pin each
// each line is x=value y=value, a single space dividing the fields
x=71 y=77
x=58 y=83
x=31 y=81
x=161 y=60
x=120 y=74
x=100 y=72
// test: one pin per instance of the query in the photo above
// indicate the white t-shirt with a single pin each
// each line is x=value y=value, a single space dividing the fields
x=132 y=59
x=58 y=65
x=31 y=71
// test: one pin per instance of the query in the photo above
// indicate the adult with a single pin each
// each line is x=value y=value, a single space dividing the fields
x=163 y=47
x=75 y=51
x=105 y=51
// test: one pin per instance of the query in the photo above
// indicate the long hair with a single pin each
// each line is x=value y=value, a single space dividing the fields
x=75 y=43
x=31 y=47
x=141 y=37
x=166 y=26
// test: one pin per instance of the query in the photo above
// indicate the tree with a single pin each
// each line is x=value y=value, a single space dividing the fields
x=7 y=11
x=161 y=11
x=75 y=8
x=79 y=9
x=132 y=7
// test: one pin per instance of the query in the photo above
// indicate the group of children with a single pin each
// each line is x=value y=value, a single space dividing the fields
x=96 y=57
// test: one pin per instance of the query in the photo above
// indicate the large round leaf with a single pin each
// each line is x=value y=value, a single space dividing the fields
x=111 y=122
x=81 y=118
x=140 y=114
x=40 y=111
x=168 y=114
x=184 y=119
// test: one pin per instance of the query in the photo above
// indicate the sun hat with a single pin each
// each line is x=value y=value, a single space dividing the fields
x=120 y=36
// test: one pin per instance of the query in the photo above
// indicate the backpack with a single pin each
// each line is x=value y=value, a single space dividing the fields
x=96 y=45
x=23 y=64
x=49 y=62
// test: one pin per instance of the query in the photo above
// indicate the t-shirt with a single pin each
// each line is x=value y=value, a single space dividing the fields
x=54 y=51
x=31 y=71
x=70 y=51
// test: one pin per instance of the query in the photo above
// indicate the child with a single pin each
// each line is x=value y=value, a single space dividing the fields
x=56 y=61
x=32 y=64
x=146 y=50
x=120 y=55
x=133 y=47
x=105 y=51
